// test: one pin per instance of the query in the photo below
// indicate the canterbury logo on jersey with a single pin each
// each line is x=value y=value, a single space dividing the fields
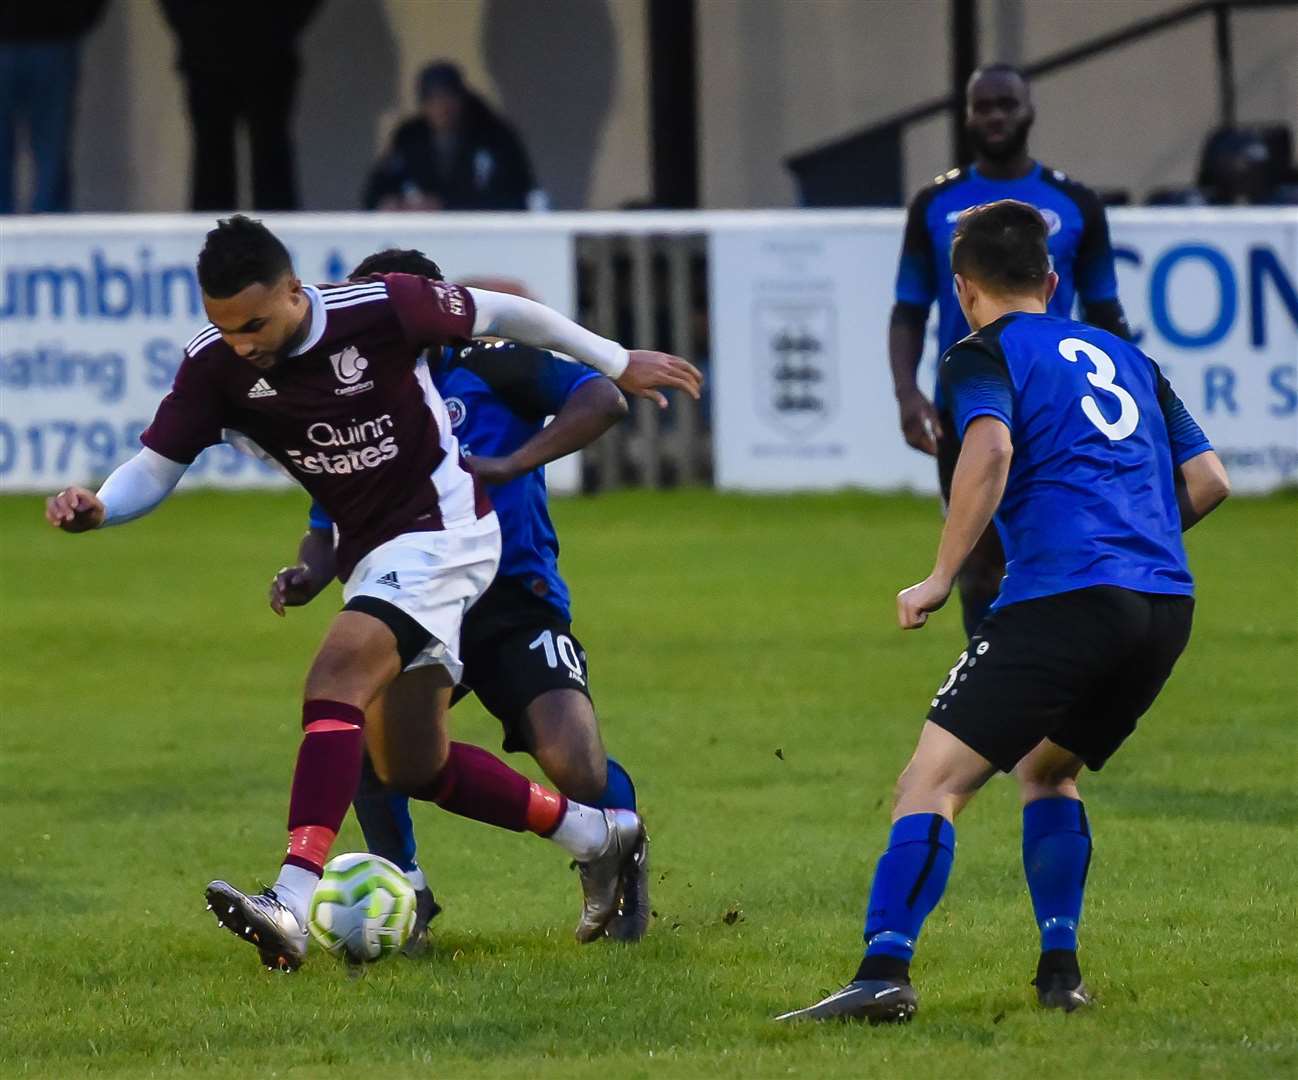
x=349 y=365
x=261 y=388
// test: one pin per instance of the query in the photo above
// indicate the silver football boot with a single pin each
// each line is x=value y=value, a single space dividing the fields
x=878 y=1001
x=602 y=877
x=631 y=922
x=262 y=921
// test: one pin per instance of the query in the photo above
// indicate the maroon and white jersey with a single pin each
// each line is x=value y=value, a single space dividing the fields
x=351 y=414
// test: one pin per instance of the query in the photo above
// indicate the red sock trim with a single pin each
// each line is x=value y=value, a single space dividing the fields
x=319 y=727
x=545 y=809
x=318 y=709
x=308 y=847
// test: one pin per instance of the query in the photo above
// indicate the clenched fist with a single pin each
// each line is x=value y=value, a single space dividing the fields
x=74 y=510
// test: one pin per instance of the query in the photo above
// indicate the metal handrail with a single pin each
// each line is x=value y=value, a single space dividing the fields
x=1220 y=10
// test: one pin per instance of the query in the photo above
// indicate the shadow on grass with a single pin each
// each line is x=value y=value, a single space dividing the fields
x=1166 y=802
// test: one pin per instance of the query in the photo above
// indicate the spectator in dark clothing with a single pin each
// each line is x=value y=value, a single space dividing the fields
x=240 y=62
x=1240 y=169
x=40 y=46
x=457 y=154
x=1249 y=165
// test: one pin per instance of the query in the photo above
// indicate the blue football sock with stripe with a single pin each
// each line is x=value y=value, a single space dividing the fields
x=619 y=791
x=1056 y=858
x=908 y=883
x=384 y=819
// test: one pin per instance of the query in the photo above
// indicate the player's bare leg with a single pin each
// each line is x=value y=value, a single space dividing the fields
x=413 y=754
x=942 y=776
x=563 y=736
x=356 y=660
x=1056 y=858
x=405 y=727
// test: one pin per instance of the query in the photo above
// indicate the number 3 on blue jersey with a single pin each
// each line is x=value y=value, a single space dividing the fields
x=1072 y=349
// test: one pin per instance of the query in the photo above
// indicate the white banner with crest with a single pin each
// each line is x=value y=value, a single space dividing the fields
x=800 y=308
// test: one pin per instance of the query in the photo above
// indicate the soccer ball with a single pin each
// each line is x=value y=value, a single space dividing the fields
x=363 y=909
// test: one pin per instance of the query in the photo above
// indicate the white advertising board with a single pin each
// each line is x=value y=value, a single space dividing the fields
x=95 y=312
x=800 y=325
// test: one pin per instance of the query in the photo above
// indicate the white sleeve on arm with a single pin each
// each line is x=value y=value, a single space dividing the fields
x=526 y=321
x=138 y=485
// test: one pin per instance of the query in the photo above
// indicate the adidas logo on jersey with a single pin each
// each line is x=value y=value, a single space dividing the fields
x=390 y=580
x=261 y=388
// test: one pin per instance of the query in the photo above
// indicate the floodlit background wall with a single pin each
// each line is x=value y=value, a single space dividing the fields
x=775 y=77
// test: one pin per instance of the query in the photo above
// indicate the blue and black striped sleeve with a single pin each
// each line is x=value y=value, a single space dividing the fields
x=916 y=270
x=1093 y=269
x=533 y=383
x=1183 y=431
x=976 y=382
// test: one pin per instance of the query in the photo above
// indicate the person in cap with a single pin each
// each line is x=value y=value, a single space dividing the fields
x=455 y=154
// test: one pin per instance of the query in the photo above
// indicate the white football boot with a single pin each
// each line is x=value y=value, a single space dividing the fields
x=261 y=920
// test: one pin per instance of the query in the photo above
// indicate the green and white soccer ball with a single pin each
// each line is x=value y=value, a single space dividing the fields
x=363 y=909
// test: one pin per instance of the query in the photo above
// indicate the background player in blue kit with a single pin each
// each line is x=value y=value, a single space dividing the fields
x=1092 y=466
x=520 y=656
x=998 y=120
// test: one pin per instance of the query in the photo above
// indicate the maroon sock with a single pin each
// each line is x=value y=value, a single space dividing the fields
x=476 y=784
x=325 y=780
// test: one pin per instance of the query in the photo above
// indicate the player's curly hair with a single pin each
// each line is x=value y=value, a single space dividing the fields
x=240 y=252
x=397 y=261
x=1002 y=246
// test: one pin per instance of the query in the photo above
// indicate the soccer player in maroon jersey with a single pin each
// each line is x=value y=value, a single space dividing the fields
x=324 y=380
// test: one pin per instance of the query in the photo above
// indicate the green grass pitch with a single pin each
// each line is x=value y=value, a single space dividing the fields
x=748 y=671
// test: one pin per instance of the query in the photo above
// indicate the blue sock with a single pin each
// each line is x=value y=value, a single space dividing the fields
x=619 y=791
x=1056 y=857
x=384 y=819
x=399 y=809
x=908 y=883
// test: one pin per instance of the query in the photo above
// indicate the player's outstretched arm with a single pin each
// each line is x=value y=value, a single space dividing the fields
x=976 y=489
x=589 y=411
x=316 y=566
x=640 y=372
x=1202 y=485
x=133 y=489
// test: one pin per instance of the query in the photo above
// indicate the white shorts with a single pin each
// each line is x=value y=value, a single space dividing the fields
x=434 y=577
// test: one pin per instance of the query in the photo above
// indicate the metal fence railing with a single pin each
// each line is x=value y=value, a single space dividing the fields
x=650 y=290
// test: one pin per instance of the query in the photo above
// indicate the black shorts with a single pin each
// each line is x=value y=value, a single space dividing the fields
x=515 y=648
x=1078 y=668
